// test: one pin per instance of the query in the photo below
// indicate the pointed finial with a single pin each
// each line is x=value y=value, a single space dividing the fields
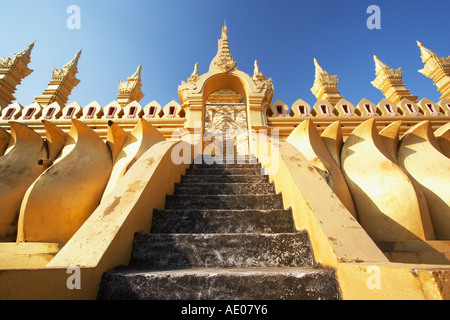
x=78 y=55
x=375 y=58
x=137 y=74
x=426 y=53
x=257 y=70
x=31 y=46
x=257 y=74
x=325 y=85
x=319 y=69
x=27 y=51
x=223 y=61
x=379 y=65
x=67 y=76
x=74 y=61
x=316 y=63
x=224 y=31
x=195 y=73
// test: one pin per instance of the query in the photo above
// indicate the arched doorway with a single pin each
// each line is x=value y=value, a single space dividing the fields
x=226 y=123
x=198 y=97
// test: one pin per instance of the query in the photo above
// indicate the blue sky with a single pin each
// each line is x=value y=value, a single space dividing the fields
x=169 y=36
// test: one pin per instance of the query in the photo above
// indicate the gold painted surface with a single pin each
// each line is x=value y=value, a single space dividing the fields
x=115 y=139
x=436 y=68
x=390 y=82
x=389 y=136
x=325 y=85
x=333 y=139
x=307 y=140
x=12 y=72
x=61 y=85
x=67 y=193
x=223 y=117
x=142 y=138
x=18 y=169
x=336 y=236
x=421 y=156
x=27 y=255
x=443 y=137
x=391 y=206
x=4 y=140
x=130 y=91
x=417 y=251
x=105 y=240
x=56 y=140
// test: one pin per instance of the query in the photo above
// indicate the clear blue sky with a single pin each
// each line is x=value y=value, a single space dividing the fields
x=169 y=36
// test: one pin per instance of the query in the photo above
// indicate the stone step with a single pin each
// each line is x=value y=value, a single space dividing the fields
x=225 y=165
x=163 y=251
x=220 y=284
x=232 y=202
x=224 y=171
x=224 y=235
x=223 y=188
x=230 y=159
x=224 y=179
x=220 y=221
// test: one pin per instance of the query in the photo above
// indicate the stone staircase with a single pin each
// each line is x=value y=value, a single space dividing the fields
x=224 y=235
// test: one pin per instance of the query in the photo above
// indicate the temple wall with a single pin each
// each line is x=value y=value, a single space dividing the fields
x=286 y=121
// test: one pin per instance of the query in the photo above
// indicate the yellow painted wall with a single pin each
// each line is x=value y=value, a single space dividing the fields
x=105 y=239
x=340 y=243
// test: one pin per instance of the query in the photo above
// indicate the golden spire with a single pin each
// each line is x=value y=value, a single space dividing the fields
x=61 y=85
x=437 y=69
x=426 y=53
x=223 y=61
x=67 y=68
x=390 y=82
x=319 y=69
x=130 y=90
x=137 y=74
x=26 y=53
x=224 y=30
x=12 y=72
x=379 y=65
x=325 y=86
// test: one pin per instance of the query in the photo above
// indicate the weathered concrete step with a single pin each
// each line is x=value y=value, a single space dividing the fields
x=230 y=159
x=232 y=202
x=220 y=284
x=221 y=250
x=224 y=171
x=225 y=165
x=223 y=188
x=222 y=221
x=224 y=179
